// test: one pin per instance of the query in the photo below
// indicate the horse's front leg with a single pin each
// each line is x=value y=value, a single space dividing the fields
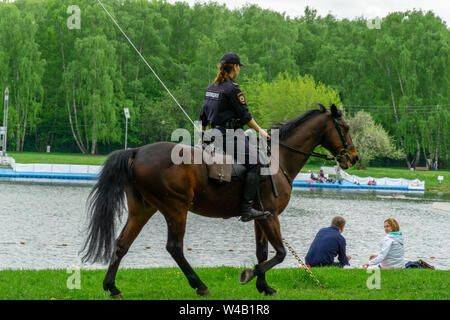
x=262 y=255
x=270 y=227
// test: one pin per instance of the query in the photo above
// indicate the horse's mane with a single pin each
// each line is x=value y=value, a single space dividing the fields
x=286 y=128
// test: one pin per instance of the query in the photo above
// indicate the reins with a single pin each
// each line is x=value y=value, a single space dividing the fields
x=341 y=153
x=309 y=154
x=324 y=156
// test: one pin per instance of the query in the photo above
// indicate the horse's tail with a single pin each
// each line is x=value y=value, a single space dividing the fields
x=105 y=201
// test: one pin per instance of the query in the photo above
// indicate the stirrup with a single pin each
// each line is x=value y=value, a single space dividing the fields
x=248 y=218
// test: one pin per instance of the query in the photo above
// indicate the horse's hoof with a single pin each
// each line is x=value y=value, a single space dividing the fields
x=117 y=296
x=246 y=276
x=268 y=291
x=203 y=292
x=271 y=292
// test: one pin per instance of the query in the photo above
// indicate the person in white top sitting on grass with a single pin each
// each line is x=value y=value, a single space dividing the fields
x=392 y=252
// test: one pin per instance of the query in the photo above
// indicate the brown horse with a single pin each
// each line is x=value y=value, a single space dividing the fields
x=153 y=183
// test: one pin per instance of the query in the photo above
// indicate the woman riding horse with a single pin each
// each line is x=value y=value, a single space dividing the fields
x=225 y=109
x=152 y=182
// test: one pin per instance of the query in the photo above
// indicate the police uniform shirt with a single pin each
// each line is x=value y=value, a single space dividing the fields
x=223 y=103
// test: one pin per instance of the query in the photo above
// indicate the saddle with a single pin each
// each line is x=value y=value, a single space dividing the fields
x=221 y=165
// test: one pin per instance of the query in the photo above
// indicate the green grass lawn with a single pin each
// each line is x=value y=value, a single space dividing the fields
x=171 y=284
x=57 y=158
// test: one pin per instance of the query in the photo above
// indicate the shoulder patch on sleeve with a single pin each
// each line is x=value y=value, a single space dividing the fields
x=241 y=98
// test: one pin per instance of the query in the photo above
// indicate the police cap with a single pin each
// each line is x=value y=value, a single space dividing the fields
x=231 y=57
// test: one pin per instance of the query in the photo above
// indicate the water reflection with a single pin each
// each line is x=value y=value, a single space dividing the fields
x=42 y=226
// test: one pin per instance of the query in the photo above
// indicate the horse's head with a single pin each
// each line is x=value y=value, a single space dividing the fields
x=337 y=140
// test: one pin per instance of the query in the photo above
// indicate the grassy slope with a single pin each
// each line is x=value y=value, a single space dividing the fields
x=171 y=284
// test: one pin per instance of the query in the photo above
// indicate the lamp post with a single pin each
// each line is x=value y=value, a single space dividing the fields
x=4 y=129
x=126 y=111
x=162 y=128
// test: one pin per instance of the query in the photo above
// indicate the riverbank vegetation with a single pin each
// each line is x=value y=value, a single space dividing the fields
x=70 y=72
x=430 y=177
x=171 y=284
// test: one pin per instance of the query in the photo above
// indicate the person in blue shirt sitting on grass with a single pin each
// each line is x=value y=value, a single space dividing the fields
x=328 y=244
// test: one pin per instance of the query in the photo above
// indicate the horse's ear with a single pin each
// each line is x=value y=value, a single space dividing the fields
x=322 y=107
x=334 y=111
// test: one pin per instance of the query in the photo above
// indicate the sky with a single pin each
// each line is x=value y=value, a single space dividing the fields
x=342 y=8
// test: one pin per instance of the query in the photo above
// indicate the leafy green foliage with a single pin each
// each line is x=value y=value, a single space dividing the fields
x=370 y=139
x=23 y=71
x=398 y=73
x=286 y=97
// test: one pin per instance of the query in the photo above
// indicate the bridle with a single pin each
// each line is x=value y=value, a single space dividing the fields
x=345 y=147
x=341 y=154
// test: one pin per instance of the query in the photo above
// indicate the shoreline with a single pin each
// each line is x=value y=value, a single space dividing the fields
x=78 y=160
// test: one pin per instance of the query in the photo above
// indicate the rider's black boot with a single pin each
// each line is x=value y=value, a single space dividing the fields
x=250 y=188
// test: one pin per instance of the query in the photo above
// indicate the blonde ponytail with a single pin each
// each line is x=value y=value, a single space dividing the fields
x=223 y=74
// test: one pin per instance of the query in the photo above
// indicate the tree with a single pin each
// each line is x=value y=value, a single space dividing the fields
x=397 y=73
x=26 y=67
x=370 y=139
x=92 y=80
x=268 y=40
x=285 y=97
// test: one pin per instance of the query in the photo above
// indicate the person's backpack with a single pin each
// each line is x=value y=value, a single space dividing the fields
x=418 y=264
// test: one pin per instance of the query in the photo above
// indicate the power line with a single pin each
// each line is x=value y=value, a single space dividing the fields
x=148 y=65
x=390 y=106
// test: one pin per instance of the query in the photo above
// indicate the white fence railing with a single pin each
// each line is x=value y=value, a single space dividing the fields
x=400 y=182
x=56 y=168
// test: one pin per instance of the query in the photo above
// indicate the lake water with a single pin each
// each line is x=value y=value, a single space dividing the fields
x=41 y=226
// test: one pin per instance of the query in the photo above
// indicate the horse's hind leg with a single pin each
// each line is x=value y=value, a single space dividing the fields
x=262 y=255
x=176 y=223
x=138 y=214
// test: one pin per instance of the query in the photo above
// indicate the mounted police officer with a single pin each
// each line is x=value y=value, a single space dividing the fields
x=225 y=109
